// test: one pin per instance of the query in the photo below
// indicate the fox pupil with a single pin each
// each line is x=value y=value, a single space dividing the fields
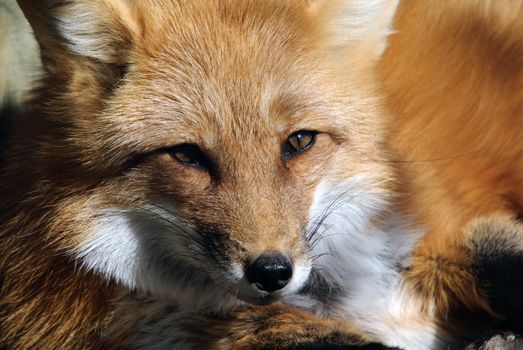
x=298 y=142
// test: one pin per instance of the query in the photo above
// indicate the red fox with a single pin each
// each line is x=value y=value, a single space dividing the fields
x=260 y=174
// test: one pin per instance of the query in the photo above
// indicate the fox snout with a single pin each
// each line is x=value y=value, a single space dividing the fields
x=269 y=272
x=270 y=276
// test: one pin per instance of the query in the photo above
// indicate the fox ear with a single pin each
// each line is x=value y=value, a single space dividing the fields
x=102 y=30
x=355 y=29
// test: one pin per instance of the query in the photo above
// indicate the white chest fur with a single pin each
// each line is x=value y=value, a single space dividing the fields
x=363 y=262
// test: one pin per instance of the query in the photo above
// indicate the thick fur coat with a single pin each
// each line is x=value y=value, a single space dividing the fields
x=376 y=146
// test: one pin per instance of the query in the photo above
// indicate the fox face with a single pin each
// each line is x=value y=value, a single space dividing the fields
x=197 y=150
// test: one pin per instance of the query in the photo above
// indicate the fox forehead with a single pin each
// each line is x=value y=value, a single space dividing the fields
x=213 y=112
x=222 y=80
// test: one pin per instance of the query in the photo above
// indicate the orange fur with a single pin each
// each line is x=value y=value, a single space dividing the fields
x=237 y=78
x=234 y=77
x=453 y=77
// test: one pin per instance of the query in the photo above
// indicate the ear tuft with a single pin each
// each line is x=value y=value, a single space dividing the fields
x=356 y=24
x=100 y=29
x=100 y=32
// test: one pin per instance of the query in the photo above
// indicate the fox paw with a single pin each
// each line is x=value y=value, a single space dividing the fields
x=497 y=251
x=281 y=327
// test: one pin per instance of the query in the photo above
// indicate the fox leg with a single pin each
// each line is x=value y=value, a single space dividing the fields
x=478 y=283
x=287 y=328
x=142 y=323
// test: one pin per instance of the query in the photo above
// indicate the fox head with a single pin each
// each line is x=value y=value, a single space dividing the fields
x=201 y=149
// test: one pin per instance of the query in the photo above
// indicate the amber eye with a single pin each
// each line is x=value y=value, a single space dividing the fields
x=297 y=142
x=189 y=154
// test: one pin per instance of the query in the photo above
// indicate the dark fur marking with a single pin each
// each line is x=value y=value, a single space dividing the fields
x=215 y=242
x=499 y=269
x=514 y=205
x=319 y=288
x=7 y=115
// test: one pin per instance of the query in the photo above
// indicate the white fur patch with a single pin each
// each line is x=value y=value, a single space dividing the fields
x=300 y=275
x=99 y=30
x=112 y=249
x=357 y=18
x=363 y=261
x=152 y=253
x=355 y=21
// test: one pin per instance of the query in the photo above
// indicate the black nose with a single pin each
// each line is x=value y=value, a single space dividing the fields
x=269 y=272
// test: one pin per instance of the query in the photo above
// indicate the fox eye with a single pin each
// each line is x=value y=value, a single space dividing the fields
x=189 y=154
x=298 y=142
